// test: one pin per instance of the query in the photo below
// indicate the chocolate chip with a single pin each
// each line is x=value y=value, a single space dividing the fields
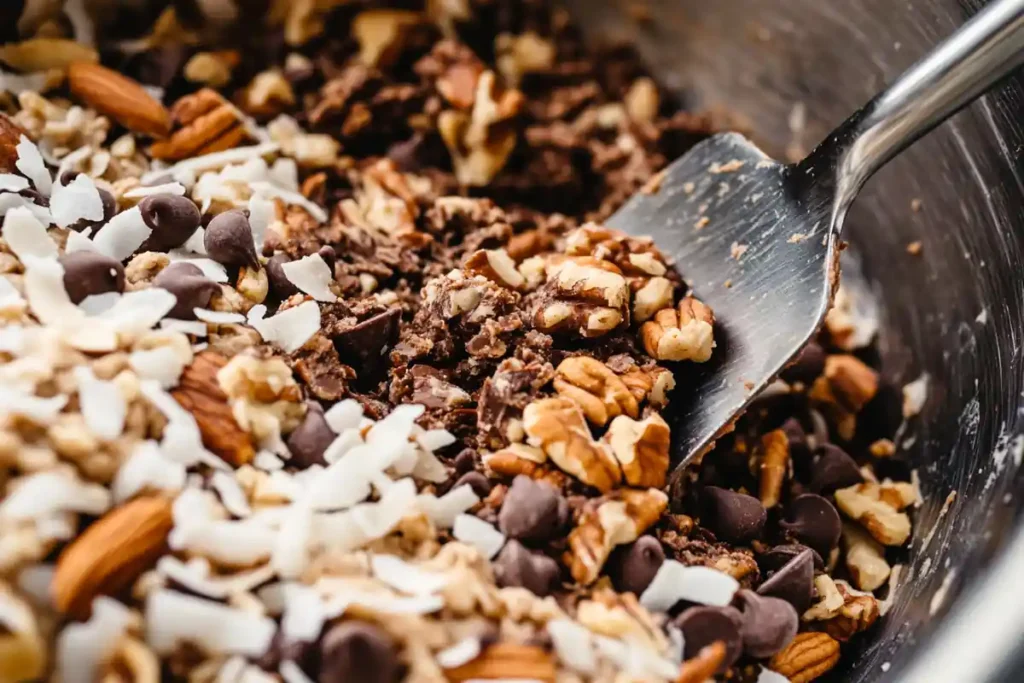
x=279 y=283
x=808 y=366
x=359 y=652
x=632 y=567
x=465 y=461
x=769 y=624
x=480 y=484
x=188 y=284
x=532 y=510
x=90 y=272
x=311 y=438
x=794 y=581
x=228 y=240
x=702 y=626
x=364 y=346
x=734 y=517
x=515 y=566
x=778 y=557
x=833 y=469
x=329 y=256
x=813 y=521
x=172 y=219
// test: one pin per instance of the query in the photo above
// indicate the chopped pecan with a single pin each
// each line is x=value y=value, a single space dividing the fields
x=599 y=392
x=654 y=295
x=208 y=123
x=774 y=466
x=703 y=666
x=609 y=521
x=683 y=333
x=853 y=383
x=858 y=613
x=865 y=558
x=557 y=426
x=380 y=34
x=830 y=600
x=641 y=449
x=807 y=657
x=878 y=510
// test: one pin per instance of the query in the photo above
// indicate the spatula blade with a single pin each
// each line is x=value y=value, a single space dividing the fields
x=754 y=246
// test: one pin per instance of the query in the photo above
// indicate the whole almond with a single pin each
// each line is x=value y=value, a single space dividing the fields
x=120 y=98
x=507 y=661
x=199 y=393
x=111 y=553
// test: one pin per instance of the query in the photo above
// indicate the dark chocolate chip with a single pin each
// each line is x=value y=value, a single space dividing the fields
x=228 y=240
x=311 y=438
x=172 y=219
x=813 y=521
x=632 y=567
x=733 y=517
x=808 y=366
x=794 y=581
x=480 y=484
x=769 y=624
x=279 y=283
x=365 y=345
x=188 y=284
x=532 y=510
x=833 y=469
x=778 y=557
x=515 y=566
x=702 y=626
x=329 y=256
x=359 y=652
x=90 y=272
x=465 y=461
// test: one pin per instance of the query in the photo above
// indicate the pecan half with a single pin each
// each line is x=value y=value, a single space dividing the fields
x=682 y=333
x=878 y=510
x=858 y=613
x=807 y=657
x=209 y=123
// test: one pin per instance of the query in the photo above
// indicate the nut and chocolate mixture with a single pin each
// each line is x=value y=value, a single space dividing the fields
x=317 y=364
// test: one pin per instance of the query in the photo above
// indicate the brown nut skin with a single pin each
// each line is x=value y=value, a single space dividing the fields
x=90 y=272
x=172 y=219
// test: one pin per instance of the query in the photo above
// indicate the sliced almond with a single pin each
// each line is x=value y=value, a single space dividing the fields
x=120 y=98
x=111 y=554
x=507 y=661
x=199 y=393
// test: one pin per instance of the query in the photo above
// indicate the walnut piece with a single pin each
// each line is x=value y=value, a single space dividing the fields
x=642 y=449
x=683 y=333
x=599 y=392
x=607 y=522
x=558 y=427
x=380 y=34
x=652 y=384
x=830 y=600
x=878 y=509
x=495 y=265
x=581 y=295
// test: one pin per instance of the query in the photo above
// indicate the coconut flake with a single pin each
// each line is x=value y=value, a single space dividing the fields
x=769 y=676
x=479 y=534
x=443 y=511
x=267 y=461
x=261 y=213
x=137 y=312
x=210 y=161
x=291 y=549
x=209 y=267
x=76 y=241
x=346 y=441
x=143 y=191
x=46 y=493
x=36 y=582
x=285 y=173
x=675 y=581
x=429 y=468
x=173 y=618
x=218 y=317
x=196 y=243
x=30 y=162
x=265 y=189
x=10 y=182
x=162 y=364
x=377 y=520
x=81 y=648
x=122 y=235
x=42 y=411
x=96 y=304
x=344 y=415
x=26 y=236
x=19 y=83
x=311 y=275
x=435 y=439
x=289 y=329
x=462 y=652
x=405 y=577
x=914 y=395
x=78 y=200
x=304 y=615
x=573 y=644
x=102 y=404
x=291 y=673
x=193 y=327
x=242 y=543
x=147 y=469
x=196 y=576
x=232 y=497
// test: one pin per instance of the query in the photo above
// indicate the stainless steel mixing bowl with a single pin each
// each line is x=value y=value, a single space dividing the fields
x=793 y=69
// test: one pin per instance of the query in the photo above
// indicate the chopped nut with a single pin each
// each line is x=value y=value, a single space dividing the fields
x=865 y=558
x=496 y=266
x=506 y=660
x=269 y=93
x=653 y=384
x=774 y=466
x=882 y=448
x=22 y=648
x=607 y=522
x=208 y=124
x=642 y=100
x=212 y=69
x=853 y=383
x=807 y=657
x=830 y=600
x=655 y=295
x=380 y=33
x=599 y=392
x=703 y=667
x=522 y=54
x=136 y=659
x=641 y=449
x=558 y=427
x=684 y=333
x=42 y=54
x=878 y=511
x=858 y=613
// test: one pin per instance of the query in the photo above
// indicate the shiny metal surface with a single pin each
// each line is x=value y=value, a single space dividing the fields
x=759 y=241
x=789 y=71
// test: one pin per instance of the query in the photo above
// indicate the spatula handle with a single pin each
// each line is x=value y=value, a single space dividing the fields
x=958 y=70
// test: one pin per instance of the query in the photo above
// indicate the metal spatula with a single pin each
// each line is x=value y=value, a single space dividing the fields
x=759 y=241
